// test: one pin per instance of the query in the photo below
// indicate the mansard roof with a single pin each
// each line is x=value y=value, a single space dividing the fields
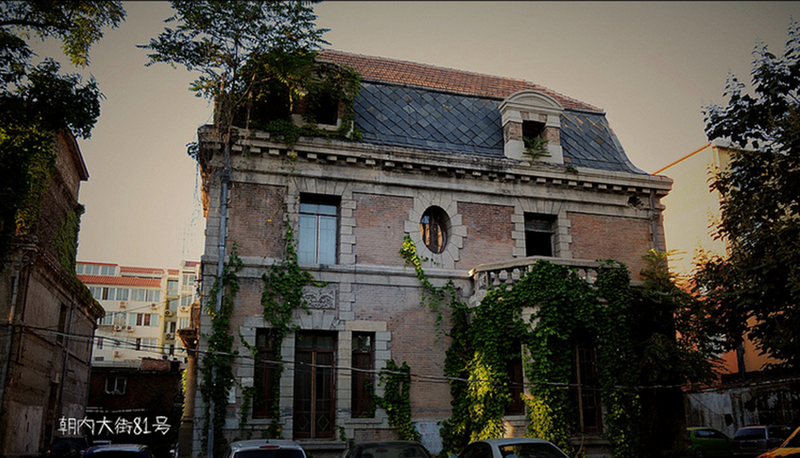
x=407 y=104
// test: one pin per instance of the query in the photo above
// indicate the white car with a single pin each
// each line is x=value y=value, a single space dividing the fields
x=519 y=447
x=265 y=448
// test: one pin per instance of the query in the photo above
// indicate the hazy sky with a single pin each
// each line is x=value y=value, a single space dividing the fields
x=650 y=66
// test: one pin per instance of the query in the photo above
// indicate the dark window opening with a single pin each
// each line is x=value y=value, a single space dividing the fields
x=433 y=229
x=362 y=379
x=116 y=385
x=515 y=381
x=532 y=129
x=314 y=386
x=318 y=235
x=265 y=377
x=324 y=109
x=585 y=389
x=539 y=230
x=269 y=103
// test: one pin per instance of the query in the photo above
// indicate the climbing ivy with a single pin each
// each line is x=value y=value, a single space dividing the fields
x=282 y=295
x=396 y=400
x=565 y=308
x=217 y=367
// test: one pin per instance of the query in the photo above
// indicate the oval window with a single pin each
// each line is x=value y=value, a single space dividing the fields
x=433 y=229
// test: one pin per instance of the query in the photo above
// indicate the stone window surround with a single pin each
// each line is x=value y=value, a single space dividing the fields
x=456 y=231
x=530 y=105
x=318 y=320
x=561 y=236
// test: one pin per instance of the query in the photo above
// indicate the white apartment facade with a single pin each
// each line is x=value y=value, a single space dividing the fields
x=144 y=308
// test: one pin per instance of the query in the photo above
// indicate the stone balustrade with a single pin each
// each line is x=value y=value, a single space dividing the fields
x=508 y=273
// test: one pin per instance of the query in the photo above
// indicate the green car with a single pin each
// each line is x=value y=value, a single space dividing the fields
x=707 y=442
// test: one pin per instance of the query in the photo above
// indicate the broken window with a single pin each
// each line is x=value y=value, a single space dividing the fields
x=433 y=229
x=539 y=231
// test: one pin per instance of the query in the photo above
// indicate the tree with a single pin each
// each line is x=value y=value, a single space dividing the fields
x=218 y=39
x=759 y=277
x=37 y=101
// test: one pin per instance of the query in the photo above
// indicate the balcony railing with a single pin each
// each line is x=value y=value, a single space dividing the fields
x=508 y=273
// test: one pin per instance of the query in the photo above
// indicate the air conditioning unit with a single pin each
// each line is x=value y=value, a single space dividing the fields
x=122 y=304
x=116 y=328
x=130 y=328
x=154 y=306
x=184 y=308
x=117 y=354
x=169 y=336
x=168 y=313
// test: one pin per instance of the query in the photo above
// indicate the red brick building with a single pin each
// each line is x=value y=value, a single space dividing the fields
x=48 y=316
x=441 y=159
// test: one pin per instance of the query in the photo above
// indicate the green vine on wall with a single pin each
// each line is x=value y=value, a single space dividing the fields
x=217 y=367
x=396 y=399
x=282 y=295
x=566 y=308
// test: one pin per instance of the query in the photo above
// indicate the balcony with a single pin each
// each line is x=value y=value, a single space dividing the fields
x=508 y=273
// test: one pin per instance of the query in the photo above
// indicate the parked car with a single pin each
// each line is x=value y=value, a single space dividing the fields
x=119 y=451
x=751 y=441
x=705 y=442
x=67 y=447
x=512 y=448
x=265 y=448
x=388 y=449
x=789 y=448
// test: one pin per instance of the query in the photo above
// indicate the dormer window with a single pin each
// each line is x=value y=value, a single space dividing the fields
x=532 y=127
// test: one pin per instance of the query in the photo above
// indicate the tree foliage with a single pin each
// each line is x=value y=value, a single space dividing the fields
x=217 y=39
x=758 y=280
x=37 y=100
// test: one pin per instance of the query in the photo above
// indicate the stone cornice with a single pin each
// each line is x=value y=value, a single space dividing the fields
x=472 y=166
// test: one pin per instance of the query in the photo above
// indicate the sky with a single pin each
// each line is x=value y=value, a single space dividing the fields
x=651 y=66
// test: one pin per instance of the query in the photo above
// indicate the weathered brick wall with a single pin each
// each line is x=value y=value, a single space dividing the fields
x=488 y=234
x=256 y=219
x=415 y=341
x=379 y=228
x=611 y=237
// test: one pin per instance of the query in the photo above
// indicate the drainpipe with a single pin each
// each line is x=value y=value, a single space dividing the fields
x=223 y=215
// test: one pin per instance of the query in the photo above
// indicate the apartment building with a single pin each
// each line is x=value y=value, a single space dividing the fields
x=145 y=307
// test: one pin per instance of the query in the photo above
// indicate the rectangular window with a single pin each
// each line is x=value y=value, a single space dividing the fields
x=119 y=318
x=170 y=327
x=186 y=301
x=172 y=287
x=183 y=323
x=316 y=241
x=314 y=386
x=585 y=392
x=138 y=294
x=539 y=231
x=363 y=382
x=99 y=343
x=265 y=376
x=172 y=304
x=116 y=385
x=108 y=271
x=97 y=292
x=153 y=295
x=515 y=381
x=146 y=319
x=187 y=283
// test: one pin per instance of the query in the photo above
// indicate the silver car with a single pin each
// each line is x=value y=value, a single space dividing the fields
x=520 y=447
x=265 y=448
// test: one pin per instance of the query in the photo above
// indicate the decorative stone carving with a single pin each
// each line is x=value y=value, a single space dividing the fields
x=320 y=298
